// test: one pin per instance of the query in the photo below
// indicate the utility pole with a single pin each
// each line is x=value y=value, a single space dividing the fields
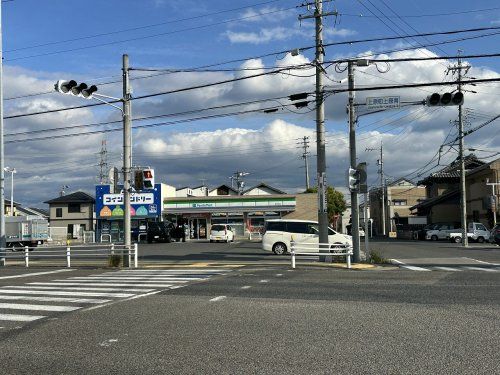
x=305 y=155
x=352 y=154
x=239 y=183
x=127 y=151
x=3 y=241
x=463 y=196
x=103 y=164
x=380 y=162
x=320 y=122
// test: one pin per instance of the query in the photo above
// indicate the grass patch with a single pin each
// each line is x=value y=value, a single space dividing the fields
x=114 y=260
x=376 y=258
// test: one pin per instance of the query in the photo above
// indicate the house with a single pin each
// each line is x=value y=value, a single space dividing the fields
x=443 y=192
x=262 y=189
x=74 y=211
x=399 y=197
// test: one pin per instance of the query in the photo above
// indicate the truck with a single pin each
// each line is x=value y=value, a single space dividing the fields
x=29 y=230
x=475 y=231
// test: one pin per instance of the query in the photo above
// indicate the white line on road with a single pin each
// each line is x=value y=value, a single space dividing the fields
x=217 y=299
x=27 y=306
x=264 y=281
x=77 y=288
x=59 y=293
x=118 y=301
x=246 y=287
x=404 y=265
x=53 y=299
x=482 y=261
x=279 y=274
x=20 y=318
x=480 y=269
x=32 y=274
x=447 y=268
x=135 y=278
x=136 y=284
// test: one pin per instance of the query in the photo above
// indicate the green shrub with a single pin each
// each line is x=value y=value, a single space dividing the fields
x=376 y=258
x=114 y=260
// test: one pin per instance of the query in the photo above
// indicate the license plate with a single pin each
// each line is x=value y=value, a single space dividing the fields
x=217 y=238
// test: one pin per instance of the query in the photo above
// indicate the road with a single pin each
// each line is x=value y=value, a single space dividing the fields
x=260 y=319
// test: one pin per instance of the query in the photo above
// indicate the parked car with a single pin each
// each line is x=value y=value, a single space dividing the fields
x=441 y=231
x=279 y=233
x=422 y=233
x=221 y=232
x=475 y=231
x=160 y=231
x=495 y=233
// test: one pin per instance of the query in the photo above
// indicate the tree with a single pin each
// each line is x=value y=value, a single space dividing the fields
x=335 y=201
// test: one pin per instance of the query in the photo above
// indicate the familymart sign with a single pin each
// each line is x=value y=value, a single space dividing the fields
x=237 y=204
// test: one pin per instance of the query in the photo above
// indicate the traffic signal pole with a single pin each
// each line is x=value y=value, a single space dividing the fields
x=352 y=154
x=127 y=152
x=3 y=241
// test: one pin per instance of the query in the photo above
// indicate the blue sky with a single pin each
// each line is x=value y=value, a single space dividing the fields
x=84 y=40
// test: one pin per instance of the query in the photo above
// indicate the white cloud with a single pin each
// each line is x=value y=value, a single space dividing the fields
x=265 y=35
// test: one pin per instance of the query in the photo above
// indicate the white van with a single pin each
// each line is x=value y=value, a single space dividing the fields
x=475 y=231
x=279 y=233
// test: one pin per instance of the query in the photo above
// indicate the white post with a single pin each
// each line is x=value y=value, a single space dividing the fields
x=136 y=255
x=348 y=261
x=293 y=258
x=68 y=257
x=129 y=257
x=26 y=256
x=112 y=249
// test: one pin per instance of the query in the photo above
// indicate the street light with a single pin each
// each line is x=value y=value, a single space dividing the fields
x=12 y=171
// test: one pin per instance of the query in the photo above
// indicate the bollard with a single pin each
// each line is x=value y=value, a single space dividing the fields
x=68 y=257
x=293 y=259
x=129 y=258
x=26 y=256
x=349 y=261
x=136 y=256
x=112 y=249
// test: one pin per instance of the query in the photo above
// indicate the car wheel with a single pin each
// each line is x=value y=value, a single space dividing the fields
x=480 y=239
x=434 y=237
x=457 y=239
x=279 y=248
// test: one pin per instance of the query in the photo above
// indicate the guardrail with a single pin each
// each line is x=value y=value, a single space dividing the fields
x=68 y=252
x=305 y=248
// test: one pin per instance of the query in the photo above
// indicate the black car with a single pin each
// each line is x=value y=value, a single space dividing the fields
x=160 y=231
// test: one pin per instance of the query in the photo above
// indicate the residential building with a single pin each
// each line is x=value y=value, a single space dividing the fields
x=74 y=211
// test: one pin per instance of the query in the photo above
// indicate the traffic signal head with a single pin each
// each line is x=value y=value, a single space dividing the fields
x=148 y=178
x=64 y=86
x=352 y=179
x=445 y=99
x=73 y=88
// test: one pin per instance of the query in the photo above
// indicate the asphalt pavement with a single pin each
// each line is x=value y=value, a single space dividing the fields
x=259 y=319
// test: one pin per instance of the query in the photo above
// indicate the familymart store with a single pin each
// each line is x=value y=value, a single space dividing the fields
x=245 y=213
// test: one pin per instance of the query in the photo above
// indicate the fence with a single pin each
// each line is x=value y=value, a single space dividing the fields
x=304 y=248
x=69 y=252
x=58 y=235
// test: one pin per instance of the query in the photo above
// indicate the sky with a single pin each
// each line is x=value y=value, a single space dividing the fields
x=205 y=135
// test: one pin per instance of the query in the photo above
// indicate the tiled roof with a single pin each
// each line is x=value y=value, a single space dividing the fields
x=76 y=197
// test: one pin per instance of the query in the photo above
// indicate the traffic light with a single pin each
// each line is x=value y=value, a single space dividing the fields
x=353 y=179
x=73 y=88
x=148 y=176
x=446 y=99
x=363 y=177
x=139 y=180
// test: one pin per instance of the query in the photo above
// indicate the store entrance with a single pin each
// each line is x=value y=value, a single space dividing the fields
x=197 y=229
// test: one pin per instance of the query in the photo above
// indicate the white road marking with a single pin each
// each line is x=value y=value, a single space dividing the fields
x=20 y=318
x=447 y=268
x=482 y=261
x=404 y=265
x=137 y=284
x=134 y=278
x=480 y=269
x=53 y=299
x=246 y=287
x=32 y=274
x=118 y=301
x=26 y=306
x=279 y=274
x=216 y=299
x=59 y=293
x=264 y=281
x=78 y=288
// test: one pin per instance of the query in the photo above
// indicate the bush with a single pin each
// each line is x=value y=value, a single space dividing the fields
x=114 y=260
x=376 y=258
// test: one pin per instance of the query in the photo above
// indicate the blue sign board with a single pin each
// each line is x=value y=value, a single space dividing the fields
x=111 y=206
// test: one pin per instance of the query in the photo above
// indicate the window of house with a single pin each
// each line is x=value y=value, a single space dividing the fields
x=399 y=202
x=58 y=212
x=73 y=207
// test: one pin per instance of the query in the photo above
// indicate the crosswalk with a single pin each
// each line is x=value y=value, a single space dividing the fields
x=33 y=301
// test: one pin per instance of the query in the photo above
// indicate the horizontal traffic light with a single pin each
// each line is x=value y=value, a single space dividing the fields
x=73 y=88
x=446 y=99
